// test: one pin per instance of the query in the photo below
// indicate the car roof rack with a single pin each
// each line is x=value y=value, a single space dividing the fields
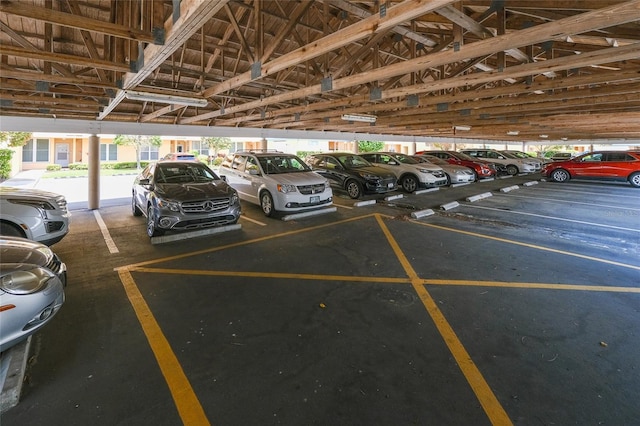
x=260 y=151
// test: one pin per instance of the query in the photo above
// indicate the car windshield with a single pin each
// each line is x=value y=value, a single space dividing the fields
x=462 y=156
x=274 y=164
x=353 y=161
x=435 y=160
x=405 y=159
x=184 y=173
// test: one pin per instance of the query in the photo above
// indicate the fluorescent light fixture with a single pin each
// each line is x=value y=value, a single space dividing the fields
x=166 y=99
x=462 y=127
x=513 y=132
x=544 y=136
x=365 y=118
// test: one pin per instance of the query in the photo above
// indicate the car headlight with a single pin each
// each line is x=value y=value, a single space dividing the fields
x=169 y=205
x=25 y=281
x=424 y=171
x=286 y=188
x=368 y=176
x=326 y=184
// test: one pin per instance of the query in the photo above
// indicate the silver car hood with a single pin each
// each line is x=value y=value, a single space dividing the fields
x=27 y=193
x=298 y=178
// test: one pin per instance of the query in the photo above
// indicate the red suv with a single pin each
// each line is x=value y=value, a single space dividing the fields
x=481 y=168
x=605 y=165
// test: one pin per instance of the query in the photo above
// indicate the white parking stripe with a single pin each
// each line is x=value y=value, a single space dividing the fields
x=243 y=217
x=580 y=190
x=559 y=200
x=105 y=233
x=554 y=218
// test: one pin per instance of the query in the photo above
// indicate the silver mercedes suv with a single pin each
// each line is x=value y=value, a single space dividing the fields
x=276 y=181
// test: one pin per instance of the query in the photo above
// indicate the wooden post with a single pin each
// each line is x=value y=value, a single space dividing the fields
x=94 y=172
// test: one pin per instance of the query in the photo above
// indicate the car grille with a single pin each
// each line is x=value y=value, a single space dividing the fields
x=205 y=222
x=311 y=189
x=54 y=226
x=205 y=206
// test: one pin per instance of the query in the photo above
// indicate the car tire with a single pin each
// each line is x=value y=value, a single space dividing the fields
x=135 y=210
x=634 y=179
x=152 y=226
x=10 y=230
x=512 y=169
x=354 y=189
x=409 y=183
x=560 y=175
x=266 y=203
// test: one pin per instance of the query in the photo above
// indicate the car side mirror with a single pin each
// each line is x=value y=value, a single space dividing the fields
x=254 y=172
x=143 y=181
x=223 y=177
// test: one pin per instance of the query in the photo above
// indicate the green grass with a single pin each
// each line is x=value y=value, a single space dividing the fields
x=85 y=173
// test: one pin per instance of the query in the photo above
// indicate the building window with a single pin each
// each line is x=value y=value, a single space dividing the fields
x=149 y=153
x=36 y=150
x=108 y=152
x=201 y=147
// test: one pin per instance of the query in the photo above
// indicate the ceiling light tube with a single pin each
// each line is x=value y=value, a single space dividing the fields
x=166 y=99
x=513 y=132
x=365 y=118
x=462 y=127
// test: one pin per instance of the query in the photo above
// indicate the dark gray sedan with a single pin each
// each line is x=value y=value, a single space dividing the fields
x=183 y=195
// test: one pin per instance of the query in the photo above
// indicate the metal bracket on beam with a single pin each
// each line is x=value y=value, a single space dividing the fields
x=158 y=36
x=383 y=10
x=42 y=86
x=442 y=107
x=375 y=94
x=327 y=84
x=176 y=10
x=413 y=100
x=256 y=70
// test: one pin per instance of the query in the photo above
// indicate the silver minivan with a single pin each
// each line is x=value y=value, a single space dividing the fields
x=276 y=181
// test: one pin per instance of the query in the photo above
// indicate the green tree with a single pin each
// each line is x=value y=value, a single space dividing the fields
x=138 y=141
x=15 y=138
x=216 y=144
x=370 y=146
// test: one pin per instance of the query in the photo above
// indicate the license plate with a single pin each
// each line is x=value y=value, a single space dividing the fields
x=315 y=199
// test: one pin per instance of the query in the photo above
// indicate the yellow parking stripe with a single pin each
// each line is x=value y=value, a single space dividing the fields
x=543 y=286
x=488 y=400
x=186 y=401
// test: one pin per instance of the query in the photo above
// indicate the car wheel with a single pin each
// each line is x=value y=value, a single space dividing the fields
x=10 y=230
x=266 y=203
x=152 y=226
x=409 y=183
x=560 y=175
x=512 y=169
x=134 y=207
x=634 y=179
x=354 y=189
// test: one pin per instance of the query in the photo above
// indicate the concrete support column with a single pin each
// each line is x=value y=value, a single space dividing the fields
x=94 y=172
x=263 y=144
x=355 y=147
x=413 y=148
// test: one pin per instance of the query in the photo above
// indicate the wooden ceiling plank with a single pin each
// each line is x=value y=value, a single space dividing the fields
x=62 y=58
x=239 y=34
x=397 y=14
x=27 y=45
x=193 y=15
x=68 y=20
x=585 y=22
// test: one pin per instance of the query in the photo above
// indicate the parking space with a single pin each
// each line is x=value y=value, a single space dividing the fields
x=518 y=308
